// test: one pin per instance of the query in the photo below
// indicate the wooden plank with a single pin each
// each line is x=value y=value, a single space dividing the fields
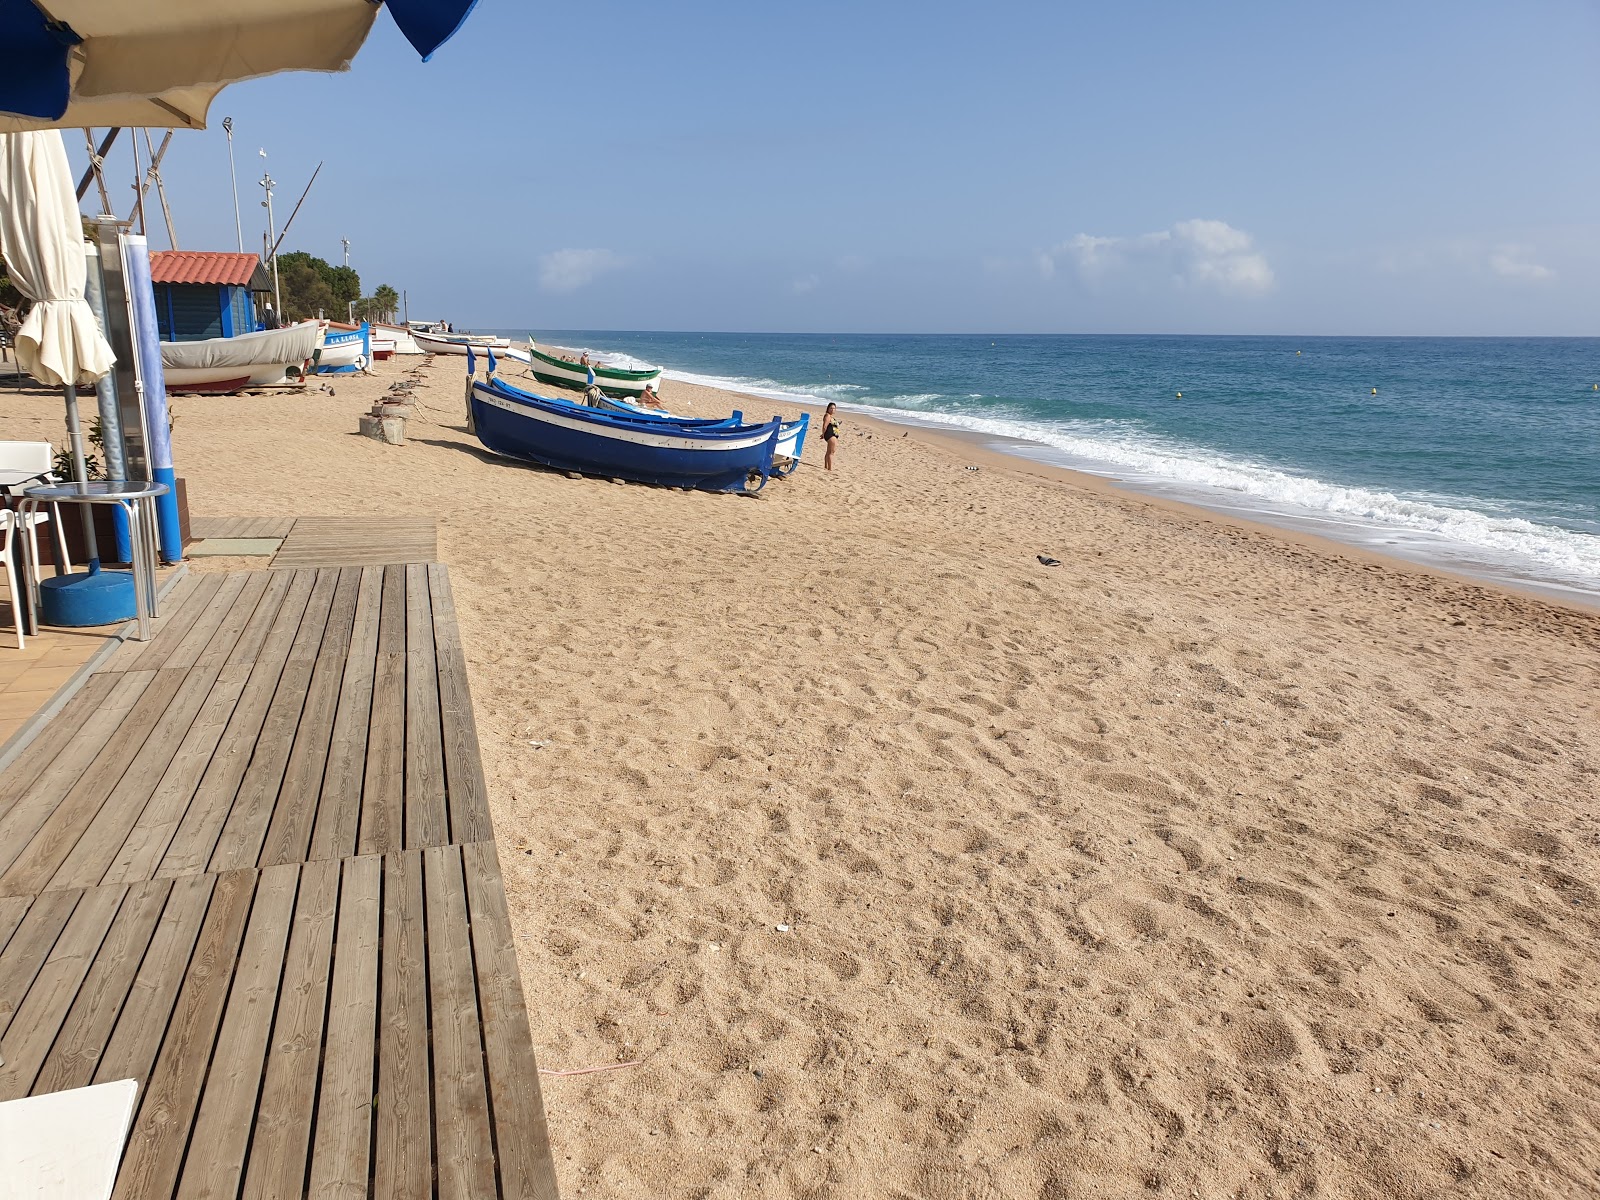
x=12 y=910
x=78 y=1047
x=154 y=653
x=280 y=593
x=24 y=771
x=160 y=1133
x=341 y=1157
x=228 y=1106
x=523 y=1141
x=246 y=827
x=42 y=1012
x=223 y=604
x=402 y=1167
x=29 y=867
x=141 y=1024
x=202 y=824
x=173 y=609
x=427 y=820
x=34 y=806
x=232 y=626
x=294 y=816
x=87 y=861
x=464 y=783
x=141 y=851
x=463 y=1142
x=28 y=948
x=383 y=788
x=282 y=1135
x=339 y=807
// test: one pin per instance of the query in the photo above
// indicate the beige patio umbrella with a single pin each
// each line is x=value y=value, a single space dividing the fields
x=159 y=63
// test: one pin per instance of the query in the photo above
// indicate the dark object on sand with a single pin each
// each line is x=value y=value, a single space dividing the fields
x=1049 y=562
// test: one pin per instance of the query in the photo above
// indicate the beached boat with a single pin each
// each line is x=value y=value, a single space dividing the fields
x=563 y=372
x=229 y=364
x=344 y=348
x=382 y=347
x=404 y=343
x=457 y=343
x=786 y=454
x=572 y=437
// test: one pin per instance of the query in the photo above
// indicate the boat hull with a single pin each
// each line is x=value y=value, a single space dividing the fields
x=454 y=343
x=570 y=438
x=558 y=372
x=220 y=365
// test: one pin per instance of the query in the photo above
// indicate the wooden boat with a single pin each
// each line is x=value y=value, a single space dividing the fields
x=404 y=343
x=786 y=455
x=383 y=348
x=563 y=372
x=344 y=348
x=221 y=365
x=572 y=437
x=457 y=343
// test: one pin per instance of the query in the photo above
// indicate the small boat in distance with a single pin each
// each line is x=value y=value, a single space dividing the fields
x=565 y=372
x=217 y=366
x=457 y=343
x=404 y=343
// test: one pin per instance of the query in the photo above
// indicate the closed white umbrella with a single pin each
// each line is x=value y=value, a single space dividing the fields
x=41 y=239
x=159 y=63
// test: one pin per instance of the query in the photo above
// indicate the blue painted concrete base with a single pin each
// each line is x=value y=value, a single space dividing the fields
x=85 y=599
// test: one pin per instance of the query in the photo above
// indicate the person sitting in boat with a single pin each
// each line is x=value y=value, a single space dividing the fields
x=648 y=397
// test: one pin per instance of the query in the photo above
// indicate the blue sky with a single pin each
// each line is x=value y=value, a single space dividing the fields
x=1416 y=168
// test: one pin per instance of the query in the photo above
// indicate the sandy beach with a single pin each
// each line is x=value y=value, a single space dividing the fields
x=879 y=859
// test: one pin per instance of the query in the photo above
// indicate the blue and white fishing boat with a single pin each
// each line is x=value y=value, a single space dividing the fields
x=571 y=437
x=786 y=455
x=344 y=348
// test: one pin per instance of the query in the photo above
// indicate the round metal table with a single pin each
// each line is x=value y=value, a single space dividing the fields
x=137 y=499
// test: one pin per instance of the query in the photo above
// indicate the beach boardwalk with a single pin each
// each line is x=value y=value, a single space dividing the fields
x=250 y=866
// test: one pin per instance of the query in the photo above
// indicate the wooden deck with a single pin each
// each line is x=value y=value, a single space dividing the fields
x=240 y=527
x=336 y=541
x=250 y=865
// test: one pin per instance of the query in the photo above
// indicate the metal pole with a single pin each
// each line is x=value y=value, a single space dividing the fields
x=80 y=471
x=138 y=188
x=267 y=184
x=233 y=177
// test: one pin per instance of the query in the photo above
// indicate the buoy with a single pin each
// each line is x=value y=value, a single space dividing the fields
x=1297 y=354
x=1180 y=395
x=1374 y=391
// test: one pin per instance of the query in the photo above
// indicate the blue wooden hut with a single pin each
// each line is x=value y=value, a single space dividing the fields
x=206 y=294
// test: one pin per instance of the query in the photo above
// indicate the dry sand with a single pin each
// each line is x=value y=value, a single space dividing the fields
x=1212 y=862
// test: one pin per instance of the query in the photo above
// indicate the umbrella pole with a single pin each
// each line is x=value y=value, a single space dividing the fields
x=80 y=470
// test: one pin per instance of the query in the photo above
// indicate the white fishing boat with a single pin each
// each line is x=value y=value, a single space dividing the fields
x=457 y=343
x=565 y=372
x=230 y=364
x=399 y=335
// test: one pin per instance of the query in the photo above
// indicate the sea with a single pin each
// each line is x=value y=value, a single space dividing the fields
x=1480 y=455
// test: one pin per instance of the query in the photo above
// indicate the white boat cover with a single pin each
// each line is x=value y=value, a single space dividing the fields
x=268 y=348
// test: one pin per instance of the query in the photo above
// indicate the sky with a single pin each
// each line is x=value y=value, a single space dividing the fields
x=1366 y=168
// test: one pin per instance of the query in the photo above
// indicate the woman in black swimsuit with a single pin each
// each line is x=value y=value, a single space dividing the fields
x=830 y=435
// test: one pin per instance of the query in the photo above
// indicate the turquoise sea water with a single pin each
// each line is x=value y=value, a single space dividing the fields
x=1478 y=453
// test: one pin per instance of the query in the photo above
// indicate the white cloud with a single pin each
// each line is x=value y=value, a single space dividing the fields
x=1197 y=253
x=569 y=270
x=806 y=283
x=1514 y=262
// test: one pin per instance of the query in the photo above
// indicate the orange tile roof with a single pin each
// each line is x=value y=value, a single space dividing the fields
x=202 y=266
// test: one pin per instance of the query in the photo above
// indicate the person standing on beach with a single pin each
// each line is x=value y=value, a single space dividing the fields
x=830 y=434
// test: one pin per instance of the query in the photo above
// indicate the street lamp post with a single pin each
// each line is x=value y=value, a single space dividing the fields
x=233 y=176
x=267 y=184
x=346 y=242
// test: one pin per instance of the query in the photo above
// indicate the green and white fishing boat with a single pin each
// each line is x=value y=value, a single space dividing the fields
x=564 y=372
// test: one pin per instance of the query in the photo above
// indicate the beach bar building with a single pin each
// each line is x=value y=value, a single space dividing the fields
x=206 y=294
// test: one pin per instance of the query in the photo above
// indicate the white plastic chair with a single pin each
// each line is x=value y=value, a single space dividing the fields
x=8 y=556
x=37 y=459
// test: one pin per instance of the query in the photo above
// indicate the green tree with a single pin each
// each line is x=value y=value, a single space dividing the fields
x=317 y=285
x=380 y=306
